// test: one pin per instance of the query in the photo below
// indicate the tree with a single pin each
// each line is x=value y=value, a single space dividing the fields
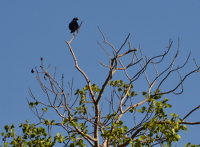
x=86 y=121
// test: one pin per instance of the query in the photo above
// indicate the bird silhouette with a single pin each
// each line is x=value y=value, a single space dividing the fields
x=73 y=25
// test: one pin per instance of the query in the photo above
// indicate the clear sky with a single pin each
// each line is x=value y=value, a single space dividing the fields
x=33 y=29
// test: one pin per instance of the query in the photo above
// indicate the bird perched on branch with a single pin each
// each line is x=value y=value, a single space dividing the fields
x=73 y=26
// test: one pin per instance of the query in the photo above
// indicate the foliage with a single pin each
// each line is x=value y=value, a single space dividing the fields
x=31 y=136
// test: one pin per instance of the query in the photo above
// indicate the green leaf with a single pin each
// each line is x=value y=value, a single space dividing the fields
x=64 y=121
x=47 y=122
x=6 y=144
x=142 y=137
x=52 y=122
x=12 y=126
x=144 y=93
x=177 y=137
x=173 y=114
x=132 y=110
x=119 y=89
x=6 y=127
x=183 y=127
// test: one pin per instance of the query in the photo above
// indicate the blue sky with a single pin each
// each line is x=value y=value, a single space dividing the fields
x=33 y=29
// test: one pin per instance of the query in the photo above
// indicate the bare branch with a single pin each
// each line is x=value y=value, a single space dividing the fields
x=190 y=113
x=104 y=50
x=81 y=71
x=123 y=43
x=107 y=41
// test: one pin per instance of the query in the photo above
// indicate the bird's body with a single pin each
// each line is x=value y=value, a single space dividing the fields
x=73 y=26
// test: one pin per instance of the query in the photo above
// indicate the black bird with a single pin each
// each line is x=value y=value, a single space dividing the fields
x=73 y=26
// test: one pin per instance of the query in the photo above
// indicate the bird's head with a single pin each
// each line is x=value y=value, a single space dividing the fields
x=75 y=19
